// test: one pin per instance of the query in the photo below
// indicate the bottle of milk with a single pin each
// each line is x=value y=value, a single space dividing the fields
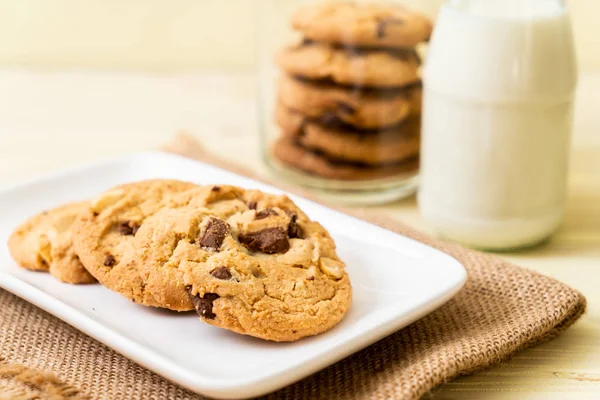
x=498 y=83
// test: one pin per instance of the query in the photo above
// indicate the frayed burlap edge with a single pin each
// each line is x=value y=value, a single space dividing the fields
x=18 y=382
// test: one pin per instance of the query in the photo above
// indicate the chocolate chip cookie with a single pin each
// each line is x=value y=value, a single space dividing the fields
x=361 y=108
x=386 y=146
x=103 y=235
x=292 y=154
x=254 y=264
x=44 y=243
x=351 y=66
x=371 y=25
x=162 y=279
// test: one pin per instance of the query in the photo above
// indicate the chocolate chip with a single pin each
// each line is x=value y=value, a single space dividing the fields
x=215 y=233
x=302 y=130
x=135 y=228
x=252 y=205
x=215 y=188
x=383 y=24
x=206 y=306
x=352 y=50
x=203 y=305
x=346 y=108
x=221 y=273
x=297 y=266
x=128 y=228
x=109 y=261
x=294 y=230
x=265 y=213
x=310 y=278
x=124 y=228
x=95 y=214
x=329 y=119
x=270 y=240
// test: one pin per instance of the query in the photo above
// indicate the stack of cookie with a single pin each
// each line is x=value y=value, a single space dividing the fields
x=349 y=102
x=246 y=261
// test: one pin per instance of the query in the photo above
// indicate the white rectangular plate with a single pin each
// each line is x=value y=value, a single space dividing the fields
x=396 y=280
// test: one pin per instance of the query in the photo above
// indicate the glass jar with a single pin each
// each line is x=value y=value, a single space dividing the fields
x=499 y=84
x=340 y=96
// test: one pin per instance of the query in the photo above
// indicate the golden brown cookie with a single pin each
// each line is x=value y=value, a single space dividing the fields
x=103 y=235
x=351 y=66
x=386 y=146
x=44 y=243
x=290 y=153
x=166 y=284
x=255 y=264
x=370 y=25
x=361 y=108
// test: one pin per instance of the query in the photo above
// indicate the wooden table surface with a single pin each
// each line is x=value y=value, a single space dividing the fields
x=55 y=120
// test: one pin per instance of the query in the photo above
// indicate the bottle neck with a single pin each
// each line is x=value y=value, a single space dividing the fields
x=508 y=8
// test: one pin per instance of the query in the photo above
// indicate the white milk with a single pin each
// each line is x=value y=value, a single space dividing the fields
x=499 y=83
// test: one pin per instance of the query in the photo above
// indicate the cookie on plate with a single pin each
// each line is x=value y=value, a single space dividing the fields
x=370 y=25
x=361 y=108
x=44 y=243
x=104 y=233
x=386 y=146
x=351 y=66
x=256 y=265
x=162 y=278
x=290 y=153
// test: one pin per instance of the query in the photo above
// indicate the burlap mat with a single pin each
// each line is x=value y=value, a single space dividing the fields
x=502 y=309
